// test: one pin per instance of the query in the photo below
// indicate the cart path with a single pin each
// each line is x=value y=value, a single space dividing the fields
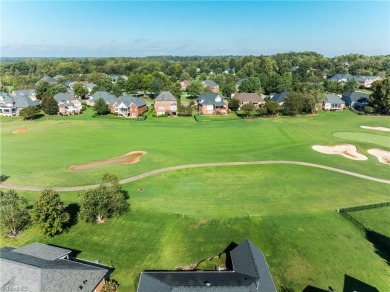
x=4 y=185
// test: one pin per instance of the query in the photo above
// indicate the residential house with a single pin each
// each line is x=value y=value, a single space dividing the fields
x=109 y=98
x=129 y=106
x=114 y=77
x=367 y=81
x=253 y=98
x=41 y=267
x=7 y=105
x=48 y=79
x=67 y=104
x=250 y=273
x=90 y=87
x=355 y=99
x=212 y=85
x=333 y=103
x=184 y=84
x=279 y=97
x=344 y=78
x=165 y=102
x=212 y=103
x=26 y=92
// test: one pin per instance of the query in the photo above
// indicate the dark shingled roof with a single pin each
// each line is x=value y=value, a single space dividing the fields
x=209 y=83
x=250 y=273
x=332 y=98
x=27 y=92
x=128 y=100
x=165 y=96
x=22 y=101
x=211 y=99
x=106 y=96
x=63 y=96
x=355 y=96
x=31 y=267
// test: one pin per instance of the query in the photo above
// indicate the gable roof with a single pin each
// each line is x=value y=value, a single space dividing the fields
x=24 y=92
x=279 y=97
x=355 y=96
x=211 y=99
x=340 y=77
x=209 y=83
x=38 y=267
x=63 y=96
x=250 y=273
x=165 y=96
x=248 y=97
x=106 y=96
x=48 y=79
x=332 y=98
x=22 y=101
x=128 y=100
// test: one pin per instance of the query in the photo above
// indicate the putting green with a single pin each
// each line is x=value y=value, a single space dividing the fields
x=363 y=137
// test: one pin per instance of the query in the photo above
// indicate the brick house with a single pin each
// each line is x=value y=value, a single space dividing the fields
x=129 y=106
x=253 y=98
x=165 y=102
x=212 y=85
x=211 y=104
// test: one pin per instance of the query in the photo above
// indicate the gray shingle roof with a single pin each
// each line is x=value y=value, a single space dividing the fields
x=211 y=99
x=332 y=98
x=209 y=83
x=63 y=96
x=43 y=251
x=106 y=96
x=250 y=271
x=128 y=100
x=38 y=273
x=355 y=96
x=48 y=79
x=27 y=92
x=22 y=101
x=165 y=96
x=339 y=77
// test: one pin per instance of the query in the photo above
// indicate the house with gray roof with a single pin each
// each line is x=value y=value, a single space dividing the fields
x=355 y=99
x=253 y=98
x=41 y=267
x=211 y=104
x=165 y=102
x=63 y=96
x=342 y=78
x=26 y=92
x=129 y=106
x=366 y=81
x=250 y=273
x=109 y=98
x=333 y=103
x=7 y=105
x=212 y=85
x=48 y=79
x=279 y=97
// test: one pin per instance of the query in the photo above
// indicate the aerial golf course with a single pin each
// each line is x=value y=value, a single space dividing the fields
x=179 y=217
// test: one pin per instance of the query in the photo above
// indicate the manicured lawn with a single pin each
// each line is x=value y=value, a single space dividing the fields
x=376 y=219
x=182 y=217
x=43 y=154
x=378 y=139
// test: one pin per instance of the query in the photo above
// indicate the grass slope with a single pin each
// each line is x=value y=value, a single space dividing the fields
x=376 y=219
x=288 y=211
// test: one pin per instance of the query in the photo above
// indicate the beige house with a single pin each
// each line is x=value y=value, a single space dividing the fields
x=253 y=98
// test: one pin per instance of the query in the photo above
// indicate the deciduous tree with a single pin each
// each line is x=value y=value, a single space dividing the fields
x=101 y=107
x=48 y=213
x=380 y=98
x=105 y=201
x=29 y=112
x=13 y=212
x=50 y=106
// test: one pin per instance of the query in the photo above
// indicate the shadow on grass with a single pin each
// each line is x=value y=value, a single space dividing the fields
x=72 y=209
x=313 y=289
x=229 y=264
x=3 y=177
x=381 y=244
x=352 y=284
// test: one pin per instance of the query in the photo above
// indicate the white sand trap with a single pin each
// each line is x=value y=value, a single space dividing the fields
x=382 y=155
x=383 y=129
x=346 y=150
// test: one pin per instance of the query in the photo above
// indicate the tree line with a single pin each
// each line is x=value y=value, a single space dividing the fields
x=50 y=215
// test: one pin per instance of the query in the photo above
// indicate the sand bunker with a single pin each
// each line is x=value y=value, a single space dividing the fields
x=383 y=129
x=129 y=158
x=382 y=155
x=18 y=131
x=346 y=150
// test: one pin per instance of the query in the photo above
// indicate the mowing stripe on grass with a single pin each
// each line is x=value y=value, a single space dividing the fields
x=186 y=166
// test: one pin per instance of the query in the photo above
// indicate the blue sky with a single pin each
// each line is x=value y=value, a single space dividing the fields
x=135 y=28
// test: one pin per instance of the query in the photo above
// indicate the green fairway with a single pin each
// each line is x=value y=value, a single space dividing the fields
x=377 y=139
x=184 y=216
x=377 y=219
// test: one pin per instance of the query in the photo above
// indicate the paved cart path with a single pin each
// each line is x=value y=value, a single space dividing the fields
x=4 y=185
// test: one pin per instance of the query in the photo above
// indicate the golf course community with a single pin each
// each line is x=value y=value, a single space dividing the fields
x=197 y=185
